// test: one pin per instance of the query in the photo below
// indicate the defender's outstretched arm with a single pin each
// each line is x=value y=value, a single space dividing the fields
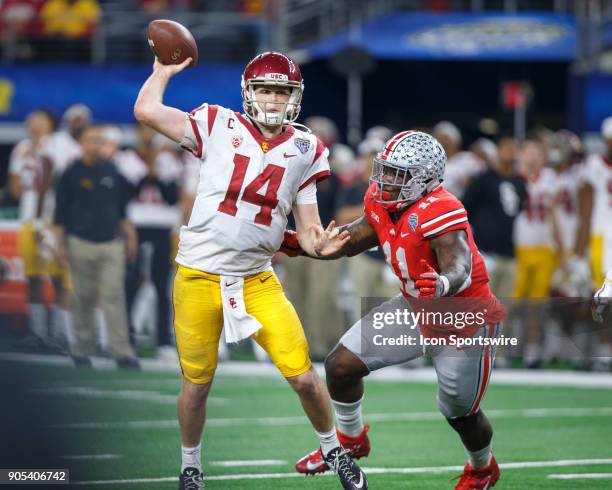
x=363 y=236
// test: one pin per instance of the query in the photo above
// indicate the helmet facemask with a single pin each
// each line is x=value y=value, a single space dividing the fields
x=397 y=187
x=410 y=166
x=258 y=110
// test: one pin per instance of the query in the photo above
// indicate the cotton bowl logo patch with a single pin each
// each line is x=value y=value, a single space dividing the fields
x=413 y=221
x=302 y=144
x=236 y=141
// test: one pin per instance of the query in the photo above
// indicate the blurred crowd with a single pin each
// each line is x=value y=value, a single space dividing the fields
x=63 y=29
x=113 y=30
x=100 y=211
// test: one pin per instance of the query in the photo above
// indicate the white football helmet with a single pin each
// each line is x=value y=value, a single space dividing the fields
x=412 y=162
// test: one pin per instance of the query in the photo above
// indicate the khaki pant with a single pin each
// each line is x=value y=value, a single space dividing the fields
x=502 y=274
x=312 y=287
x=368 y=280
x=98 y=271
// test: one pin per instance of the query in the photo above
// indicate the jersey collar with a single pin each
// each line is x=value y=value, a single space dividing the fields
x=266 y=144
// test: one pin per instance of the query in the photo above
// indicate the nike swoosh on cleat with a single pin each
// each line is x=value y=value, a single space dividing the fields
x=312 y=466
x=359 y=484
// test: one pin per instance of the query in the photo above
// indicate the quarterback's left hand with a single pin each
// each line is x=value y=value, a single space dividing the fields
x=330 y=240
x=431 y=284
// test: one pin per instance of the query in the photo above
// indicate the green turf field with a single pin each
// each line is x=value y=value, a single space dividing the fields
x=130 y=418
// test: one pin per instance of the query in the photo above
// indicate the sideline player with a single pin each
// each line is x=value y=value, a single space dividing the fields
x=537 y=239
x=595 y=233
x=28 y=175
x=596 y=208
x=427 y=240
x=256 y=168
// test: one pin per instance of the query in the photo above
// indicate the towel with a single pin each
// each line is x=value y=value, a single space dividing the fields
x=238 y=324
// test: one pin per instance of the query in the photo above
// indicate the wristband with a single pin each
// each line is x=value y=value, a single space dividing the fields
x=445 y=285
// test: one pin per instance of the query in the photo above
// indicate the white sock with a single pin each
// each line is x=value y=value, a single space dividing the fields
x=102 y=331
x=68 y=327
x=56 y=322
x=329 y=440
x=191 y=457
x=38 y=320
x=481 y=458
x=349 y=418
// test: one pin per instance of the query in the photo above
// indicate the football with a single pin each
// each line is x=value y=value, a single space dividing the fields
x=172 y=42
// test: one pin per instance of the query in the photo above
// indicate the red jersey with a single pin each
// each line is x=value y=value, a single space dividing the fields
x=407 y=241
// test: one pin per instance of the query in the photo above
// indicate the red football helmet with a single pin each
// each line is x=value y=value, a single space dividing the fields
x=273 y=69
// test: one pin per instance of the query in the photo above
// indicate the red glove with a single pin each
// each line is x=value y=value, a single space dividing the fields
x=431 y=284
x=290 y=245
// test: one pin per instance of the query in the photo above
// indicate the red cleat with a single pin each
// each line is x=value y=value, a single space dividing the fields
x=479 y=479
x=356 y=447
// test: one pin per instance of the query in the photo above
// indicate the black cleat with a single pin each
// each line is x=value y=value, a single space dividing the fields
x=81 y=361
x=191 y=479
x=351 y=476
x=128 y=363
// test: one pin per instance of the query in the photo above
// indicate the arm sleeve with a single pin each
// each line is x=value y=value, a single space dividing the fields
x=198 y=127
x=319 y=168
x=307 y=195
x=447 y=216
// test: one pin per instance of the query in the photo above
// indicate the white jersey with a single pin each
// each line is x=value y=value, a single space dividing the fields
x=460 y=169
x=62 y=149
x=26 y=165
x=247 y=188
x=148 y=208
x=566 y=210
x=533 y=227
x=598 y=173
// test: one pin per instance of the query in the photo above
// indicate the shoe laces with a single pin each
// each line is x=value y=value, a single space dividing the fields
x=193 y=482
x=342 y=464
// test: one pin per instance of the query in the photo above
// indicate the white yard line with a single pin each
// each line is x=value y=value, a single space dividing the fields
x=248 y=462
x=369 y=471
x=373 y=417
x=521 y=377
x=581 y=476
